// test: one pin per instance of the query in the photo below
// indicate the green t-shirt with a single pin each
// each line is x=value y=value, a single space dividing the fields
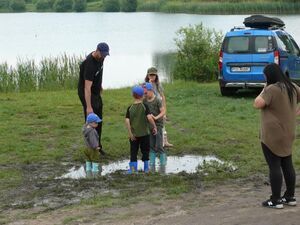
x=137 y=115
x=154 y=108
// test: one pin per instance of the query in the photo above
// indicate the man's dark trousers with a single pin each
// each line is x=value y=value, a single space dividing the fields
x=97 y=106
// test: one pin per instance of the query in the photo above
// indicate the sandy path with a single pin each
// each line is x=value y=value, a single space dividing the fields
x=230 y=204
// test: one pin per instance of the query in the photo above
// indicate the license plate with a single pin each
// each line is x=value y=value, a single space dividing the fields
x=240 y=69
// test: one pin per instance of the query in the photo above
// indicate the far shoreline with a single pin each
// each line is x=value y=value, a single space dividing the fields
x=193 y=7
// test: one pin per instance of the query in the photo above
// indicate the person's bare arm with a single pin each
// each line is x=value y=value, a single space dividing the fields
x=128 y=126
x=87 y=96
x=161 y=114
x=259 y=102
x=151 y=121
x=298 y=111
x=164 y=103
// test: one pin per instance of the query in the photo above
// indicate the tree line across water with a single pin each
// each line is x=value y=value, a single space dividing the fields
x=168 y=6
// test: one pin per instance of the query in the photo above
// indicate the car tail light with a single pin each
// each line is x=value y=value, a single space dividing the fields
x=276 y=57
x=220 y=60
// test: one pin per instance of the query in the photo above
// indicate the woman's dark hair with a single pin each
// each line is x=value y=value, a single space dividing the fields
x=156 y=79
x=274 y=74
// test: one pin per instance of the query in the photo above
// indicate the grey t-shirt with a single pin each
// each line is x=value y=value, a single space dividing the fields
x=90 y=136
x=154 y=108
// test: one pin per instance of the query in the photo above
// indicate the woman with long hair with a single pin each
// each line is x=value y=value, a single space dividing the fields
x=278 y=103
x=152 y=77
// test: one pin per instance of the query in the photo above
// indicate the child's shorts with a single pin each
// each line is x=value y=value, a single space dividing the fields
x=91 y=155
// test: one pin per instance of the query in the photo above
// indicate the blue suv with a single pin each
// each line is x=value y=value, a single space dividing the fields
x=246 y=51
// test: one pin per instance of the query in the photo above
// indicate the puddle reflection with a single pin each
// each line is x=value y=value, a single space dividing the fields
x=175 y=164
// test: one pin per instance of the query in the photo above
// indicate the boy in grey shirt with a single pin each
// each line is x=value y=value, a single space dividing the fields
x=91 y=139
x=157 y=111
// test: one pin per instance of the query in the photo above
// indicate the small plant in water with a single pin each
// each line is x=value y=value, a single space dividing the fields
x=214 y=167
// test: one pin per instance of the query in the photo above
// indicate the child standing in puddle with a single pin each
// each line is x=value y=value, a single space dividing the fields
x=157 y=111
x=91 y=139
x=137 y=122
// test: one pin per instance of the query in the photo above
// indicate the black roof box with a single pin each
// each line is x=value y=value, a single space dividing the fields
x=259 y=21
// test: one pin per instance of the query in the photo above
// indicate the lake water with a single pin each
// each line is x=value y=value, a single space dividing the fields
x=137 y=40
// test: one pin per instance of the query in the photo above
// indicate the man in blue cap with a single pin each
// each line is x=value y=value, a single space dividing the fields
x=90 y=84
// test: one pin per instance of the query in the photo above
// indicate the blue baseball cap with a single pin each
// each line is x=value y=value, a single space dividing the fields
x=103 y=48
x=92 y=117
x=148 y=86
x=138 y=90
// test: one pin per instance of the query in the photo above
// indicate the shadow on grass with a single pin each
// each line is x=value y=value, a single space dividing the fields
x=246 y=93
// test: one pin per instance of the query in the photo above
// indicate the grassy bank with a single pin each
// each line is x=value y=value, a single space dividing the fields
x=43 y=129
x=187 y=6
x=45 y=126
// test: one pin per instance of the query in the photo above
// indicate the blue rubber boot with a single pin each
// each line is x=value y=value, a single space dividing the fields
x=146 y=166
x=132 y=168
x=88 y=166
x=152 y=156
x=95 y=169
x=163 y=159
x=88 y=169
x=163 y=162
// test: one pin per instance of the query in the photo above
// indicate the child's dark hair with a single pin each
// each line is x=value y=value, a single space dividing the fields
x=136 y=96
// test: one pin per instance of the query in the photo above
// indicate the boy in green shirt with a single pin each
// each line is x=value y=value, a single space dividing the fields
x=137 y=122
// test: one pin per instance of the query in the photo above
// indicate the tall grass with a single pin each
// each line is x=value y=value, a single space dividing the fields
x=220 y=7
x=7 y=78
x=49 y=74
x=194 y=6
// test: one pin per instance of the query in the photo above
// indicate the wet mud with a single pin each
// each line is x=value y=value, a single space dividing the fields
x=39 y=188
x=47 y=187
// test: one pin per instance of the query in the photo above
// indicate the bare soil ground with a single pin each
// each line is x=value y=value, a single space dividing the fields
x=234 y=203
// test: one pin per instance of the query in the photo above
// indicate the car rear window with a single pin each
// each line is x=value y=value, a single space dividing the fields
x=249 y=44
x=238 y=45
x=263 y=44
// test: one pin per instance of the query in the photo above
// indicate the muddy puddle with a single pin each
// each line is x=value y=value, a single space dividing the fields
x=175 y=164
x=48 y=186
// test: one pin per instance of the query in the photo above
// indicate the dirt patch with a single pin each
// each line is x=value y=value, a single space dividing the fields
x=40 y=189
x=233 y=203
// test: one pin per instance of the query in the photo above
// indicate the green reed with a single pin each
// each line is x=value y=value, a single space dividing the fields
x=247 y=7
x=8 y=81
x=55 y=73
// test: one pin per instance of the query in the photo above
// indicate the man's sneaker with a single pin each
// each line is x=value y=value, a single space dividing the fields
x=291 y=201
x=273 y=204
